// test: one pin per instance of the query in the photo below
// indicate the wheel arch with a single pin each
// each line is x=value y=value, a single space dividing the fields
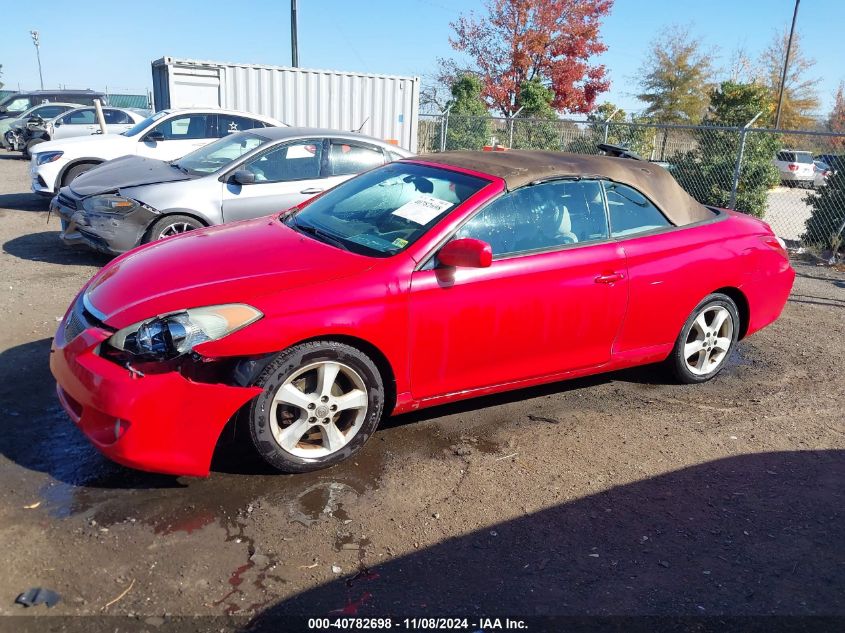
x=742 y=307
x=247 y=371
x=74 y=163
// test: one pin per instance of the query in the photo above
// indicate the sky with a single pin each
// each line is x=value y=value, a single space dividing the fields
x=90 y=46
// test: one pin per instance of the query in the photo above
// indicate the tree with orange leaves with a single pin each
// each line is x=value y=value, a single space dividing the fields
x=551 y=41
x=836 y=120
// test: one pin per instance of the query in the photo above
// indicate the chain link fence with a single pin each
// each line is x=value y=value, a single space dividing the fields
x=801 y=196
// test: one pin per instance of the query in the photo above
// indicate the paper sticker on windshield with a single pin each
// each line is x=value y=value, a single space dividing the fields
x=400 y=242
x=423 y=209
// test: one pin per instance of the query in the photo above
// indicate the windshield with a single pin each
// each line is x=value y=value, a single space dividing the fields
x=383 y=211
x=220 y=153
x=14 y=104
x=143 y=125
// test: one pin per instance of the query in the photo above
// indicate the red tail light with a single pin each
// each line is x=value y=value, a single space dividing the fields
x=775 y=243
x=792 y=167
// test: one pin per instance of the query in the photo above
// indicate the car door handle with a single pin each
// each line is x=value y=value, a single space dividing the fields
x=609 y=278
x=311 y=190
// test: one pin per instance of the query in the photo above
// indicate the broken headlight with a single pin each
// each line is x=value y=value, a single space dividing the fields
x=110 y=203
x=171 y=335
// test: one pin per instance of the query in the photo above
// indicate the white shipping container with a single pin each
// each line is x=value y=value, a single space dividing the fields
x=383 y=106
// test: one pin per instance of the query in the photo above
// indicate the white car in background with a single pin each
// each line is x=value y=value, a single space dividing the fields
x=40 y=112
x=166 y=135
x=796 y=168
x=82 y=121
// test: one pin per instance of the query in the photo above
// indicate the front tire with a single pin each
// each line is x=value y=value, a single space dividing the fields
x=706 y=340
x=76 y=170
x=27 y=150
x=171 y=225
x=322 y=401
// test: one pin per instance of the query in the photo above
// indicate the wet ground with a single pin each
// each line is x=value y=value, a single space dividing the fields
x=618 y=494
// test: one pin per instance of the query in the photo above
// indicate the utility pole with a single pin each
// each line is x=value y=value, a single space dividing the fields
x=294 y=45
x=786 y=64
x=35 y=40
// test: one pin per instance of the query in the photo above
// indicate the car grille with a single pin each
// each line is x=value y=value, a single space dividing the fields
x=79 y=320
x=76 y=322
x=66 y=201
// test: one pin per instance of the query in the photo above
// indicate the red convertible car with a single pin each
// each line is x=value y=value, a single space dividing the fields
x=421 y=282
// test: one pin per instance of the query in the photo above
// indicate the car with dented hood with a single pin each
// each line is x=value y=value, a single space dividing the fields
x=133 y=200
x=425 y=281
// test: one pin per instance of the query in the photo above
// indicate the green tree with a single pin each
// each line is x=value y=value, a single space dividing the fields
x=536 y=126
x=469 y=121
x=676 y=78
x=825 y=226
x=707 y=171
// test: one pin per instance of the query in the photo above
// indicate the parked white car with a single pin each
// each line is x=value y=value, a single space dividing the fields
x=40 y=112
x=81 y=121
x=166 y=135
x=796 y=168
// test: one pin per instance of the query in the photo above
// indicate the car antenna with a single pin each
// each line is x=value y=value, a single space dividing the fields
x=361 y=127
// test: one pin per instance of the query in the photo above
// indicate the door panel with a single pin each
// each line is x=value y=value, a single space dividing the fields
x=285 y=175
x=520 y=318
x=241 y=202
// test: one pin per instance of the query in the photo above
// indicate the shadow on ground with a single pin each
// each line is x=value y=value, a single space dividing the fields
x=748 y=535
x=47 y=247
x=24 y=202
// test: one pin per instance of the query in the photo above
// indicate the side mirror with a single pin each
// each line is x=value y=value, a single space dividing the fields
x=57 y=123
x=243 y=177
x=467 y=252
x=154 y=137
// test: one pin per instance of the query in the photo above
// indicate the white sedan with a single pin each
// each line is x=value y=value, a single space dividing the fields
x=166 y=135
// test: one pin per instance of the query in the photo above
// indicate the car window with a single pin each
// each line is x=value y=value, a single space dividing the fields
x=293 y=161
x=630 y=211
x=48 y=111
x=804 y=157
x=382 y=212
x=220 y=153
x=182 y=128
x=347 y=158
x=230 y=124
x=18 y=105
x=80 y=117
x=116 y=117
x=543 y=216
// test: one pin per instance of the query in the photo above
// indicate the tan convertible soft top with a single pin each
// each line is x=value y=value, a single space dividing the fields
x=520 y=167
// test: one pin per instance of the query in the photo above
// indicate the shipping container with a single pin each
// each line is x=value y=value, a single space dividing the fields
x=383 y=106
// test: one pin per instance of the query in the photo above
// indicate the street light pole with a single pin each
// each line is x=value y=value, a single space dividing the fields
x=294 y=44
x=35 y=40
x=786 y=64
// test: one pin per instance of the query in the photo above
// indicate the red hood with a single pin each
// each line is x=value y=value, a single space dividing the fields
x=233 y=263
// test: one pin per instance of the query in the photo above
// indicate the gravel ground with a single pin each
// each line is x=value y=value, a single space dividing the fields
x=620 y=494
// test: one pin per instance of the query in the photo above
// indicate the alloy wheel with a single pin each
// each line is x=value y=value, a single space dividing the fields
x=319 y=409
x=709 y=340
x=175 y=229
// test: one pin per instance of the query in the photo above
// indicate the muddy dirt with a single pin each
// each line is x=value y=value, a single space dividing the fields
x=621 y=494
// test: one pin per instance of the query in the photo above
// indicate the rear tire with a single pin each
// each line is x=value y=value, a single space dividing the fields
x=171 y=225
x=322 y=401
x=76 y=170
x=706 y=340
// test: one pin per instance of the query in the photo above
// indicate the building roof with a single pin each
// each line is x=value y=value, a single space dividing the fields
x=521 y=167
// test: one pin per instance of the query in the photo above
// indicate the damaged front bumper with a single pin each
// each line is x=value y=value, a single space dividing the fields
x=108 y=233
x=159 y=422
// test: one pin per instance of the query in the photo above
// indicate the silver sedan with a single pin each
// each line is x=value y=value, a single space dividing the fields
x=133 y=200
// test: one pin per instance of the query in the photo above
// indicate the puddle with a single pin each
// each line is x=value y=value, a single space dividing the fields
x=741 y=356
